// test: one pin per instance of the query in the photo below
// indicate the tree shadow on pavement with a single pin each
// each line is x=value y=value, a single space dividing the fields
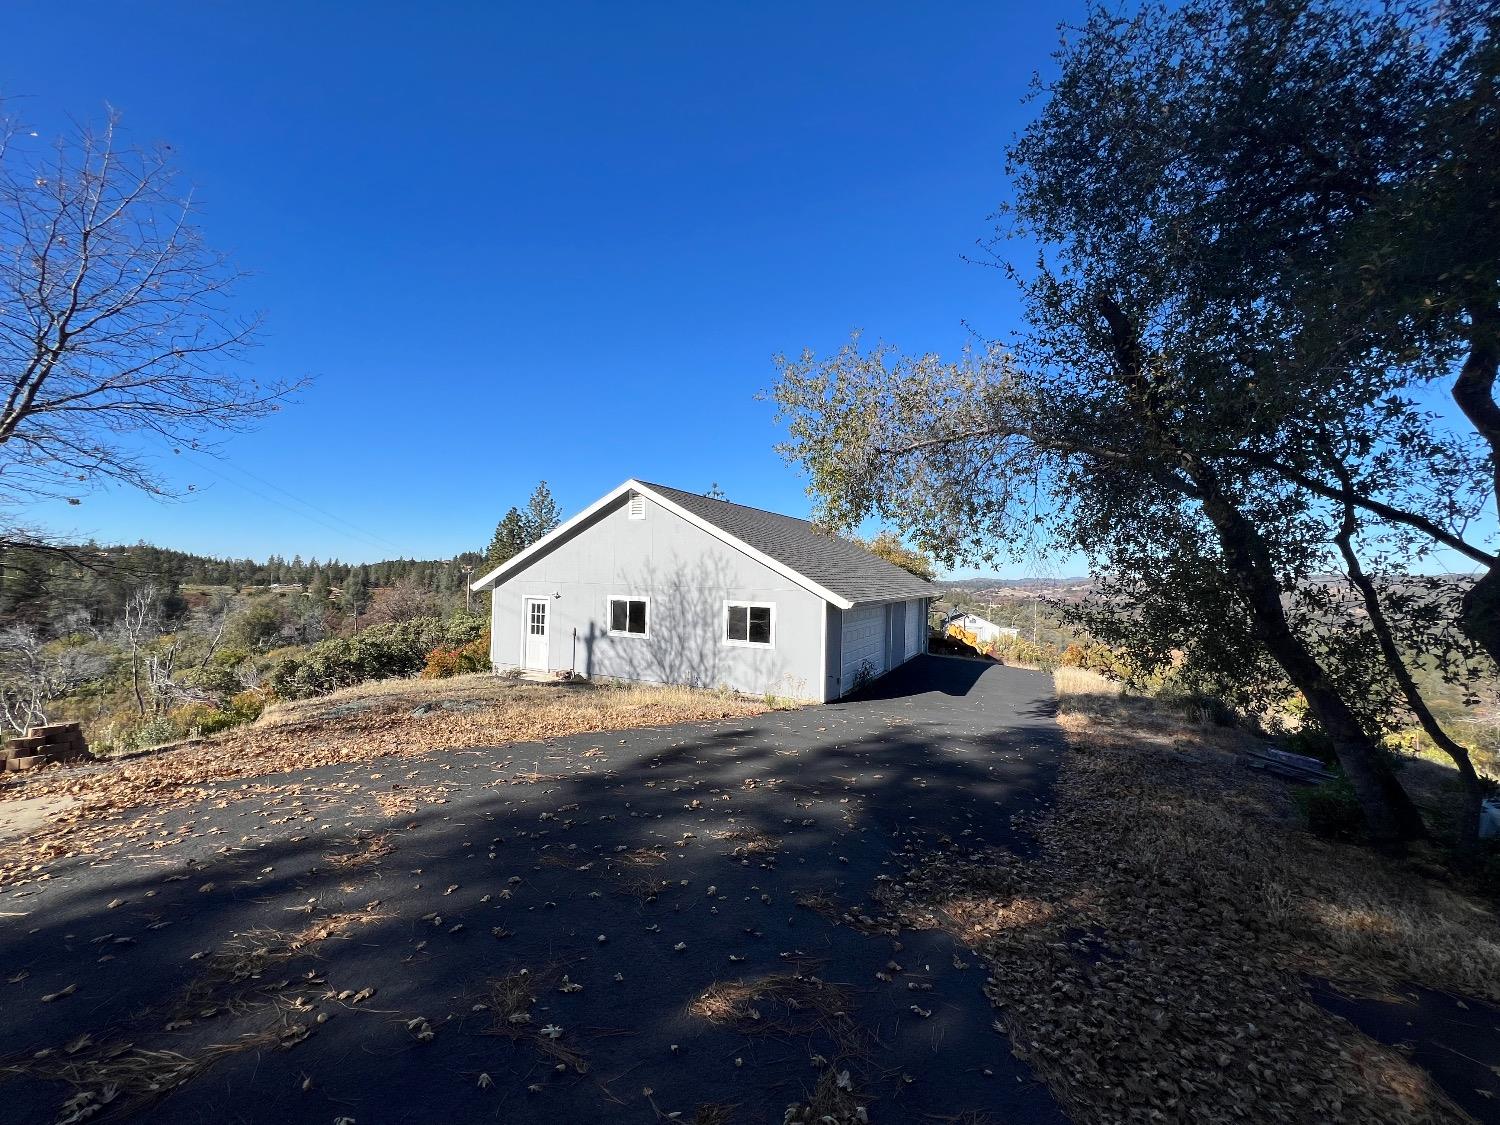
x=333 y=944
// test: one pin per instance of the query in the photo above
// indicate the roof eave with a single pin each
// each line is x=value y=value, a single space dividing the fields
x=517 y=561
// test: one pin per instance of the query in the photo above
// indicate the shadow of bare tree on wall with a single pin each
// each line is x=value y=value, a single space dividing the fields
x=685 y=642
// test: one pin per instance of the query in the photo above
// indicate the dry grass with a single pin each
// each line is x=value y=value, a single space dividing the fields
x=386 y=718
x=833 y=1101
x=361 y=851
x=749 y=843
x=1079 y=690
x=782 y=1004
x=120 y=1078
x=246 y=957
x=510 y=999
x=1175 y=911
x=714 y=1113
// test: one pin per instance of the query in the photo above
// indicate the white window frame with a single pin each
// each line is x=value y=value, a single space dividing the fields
x=609 y=615
x=724 y=624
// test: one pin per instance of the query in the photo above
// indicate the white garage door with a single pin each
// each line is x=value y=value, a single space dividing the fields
x=915 y=628
x=863 y=640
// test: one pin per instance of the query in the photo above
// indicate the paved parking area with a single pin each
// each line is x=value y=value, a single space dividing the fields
x=327 y=944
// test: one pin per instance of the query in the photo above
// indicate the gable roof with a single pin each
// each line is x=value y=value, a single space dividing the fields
x=838 y=571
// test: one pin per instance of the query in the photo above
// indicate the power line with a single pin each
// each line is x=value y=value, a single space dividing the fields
x=356 y=528
x=347 y=529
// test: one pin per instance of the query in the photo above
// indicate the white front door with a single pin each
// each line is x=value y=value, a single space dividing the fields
x=536 y=634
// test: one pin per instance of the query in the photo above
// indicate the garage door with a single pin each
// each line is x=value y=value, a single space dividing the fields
x=863 y=640
x=915 y=628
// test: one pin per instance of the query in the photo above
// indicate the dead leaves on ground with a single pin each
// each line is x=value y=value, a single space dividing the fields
x=510 y=998
x=359 y=724
x=1147 y=963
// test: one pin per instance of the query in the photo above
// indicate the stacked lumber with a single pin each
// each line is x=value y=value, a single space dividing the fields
x=1298 y=767
x=55 y=742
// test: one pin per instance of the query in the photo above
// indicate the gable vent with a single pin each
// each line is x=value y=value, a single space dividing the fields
x=637 y=506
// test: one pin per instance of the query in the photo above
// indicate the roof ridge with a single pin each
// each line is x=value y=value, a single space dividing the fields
x=748 y=507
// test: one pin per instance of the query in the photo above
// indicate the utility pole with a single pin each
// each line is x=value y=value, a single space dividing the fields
x=468 y=569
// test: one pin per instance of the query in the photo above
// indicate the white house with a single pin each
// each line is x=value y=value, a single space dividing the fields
x=986 y=632
x=653 y=583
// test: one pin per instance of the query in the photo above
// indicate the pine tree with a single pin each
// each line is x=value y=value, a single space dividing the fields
x=317 y=589
x=541 y=513
x=510 y=539
x=356 y=593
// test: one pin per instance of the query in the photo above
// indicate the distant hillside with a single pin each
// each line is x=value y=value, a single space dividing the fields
x=42 y=588
x=1019 y=589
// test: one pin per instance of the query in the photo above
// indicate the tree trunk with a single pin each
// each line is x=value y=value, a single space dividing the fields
x=1474 y=392
x=135 y=680
x=1391 y=817
x=1473 y=787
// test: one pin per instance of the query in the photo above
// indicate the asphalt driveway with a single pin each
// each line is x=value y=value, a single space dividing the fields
x=350 y=942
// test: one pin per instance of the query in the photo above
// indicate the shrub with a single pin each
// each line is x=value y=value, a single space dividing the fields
x=217 y=680
x=248 y=705
x=1020 y=651
x=1332 y=810
x=258 y=625
x=126 y=738
x=1196 y=706
x=443 y=662
x=475 y=656
x=197 y=719
x=1311 y=740
x=395 y=649
x=1094 y=657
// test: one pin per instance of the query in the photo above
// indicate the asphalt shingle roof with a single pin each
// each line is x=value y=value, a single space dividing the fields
x=838 y=565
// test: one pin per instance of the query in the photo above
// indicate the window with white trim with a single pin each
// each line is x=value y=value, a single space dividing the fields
x=749 y=623
x=628 y=617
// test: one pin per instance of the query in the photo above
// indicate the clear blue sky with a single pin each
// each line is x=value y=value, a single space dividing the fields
x=517 y=241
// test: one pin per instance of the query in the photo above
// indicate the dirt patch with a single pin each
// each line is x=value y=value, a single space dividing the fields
x=23 y=816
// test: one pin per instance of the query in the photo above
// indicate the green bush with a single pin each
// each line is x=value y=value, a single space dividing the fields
x=258 y=626
x=195 y=720
x=398 y=648
x=116 y=738
x=1196 y=706
x=1331 y=810
x=1312 y=741
x=217 y=680
x=1018 y=650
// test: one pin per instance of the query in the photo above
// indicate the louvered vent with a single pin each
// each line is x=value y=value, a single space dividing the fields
x=637 y=506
